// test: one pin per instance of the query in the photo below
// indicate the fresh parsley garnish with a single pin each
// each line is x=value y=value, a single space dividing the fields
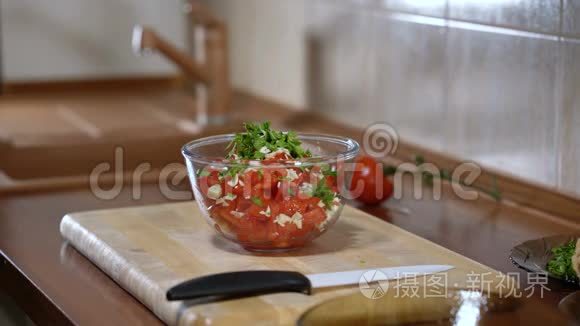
x=259 y=139
x=323 y=192
x=327 y=171
x=561 y=263
x=303 y=168
x=257 y=201
x=233 y=170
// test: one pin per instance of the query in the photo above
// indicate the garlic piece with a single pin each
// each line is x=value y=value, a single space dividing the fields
x=267 y=212
x=237 y=214
x=297 y=220
x=214 y=192
x=282 y=219
x=224 y=200
x=291 y=175
x=233 y=181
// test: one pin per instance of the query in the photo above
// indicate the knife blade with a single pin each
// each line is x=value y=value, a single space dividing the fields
x=252 y=283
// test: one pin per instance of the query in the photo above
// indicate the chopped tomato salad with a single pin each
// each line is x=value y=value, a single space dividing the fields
x=267 y=195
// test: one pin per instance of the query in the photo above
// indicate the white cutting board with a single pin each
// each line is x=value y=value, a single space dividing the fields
x=148 y=249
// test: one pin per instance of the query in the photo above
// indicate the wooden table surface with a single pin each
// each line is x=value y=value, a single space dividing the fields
x=54 y=284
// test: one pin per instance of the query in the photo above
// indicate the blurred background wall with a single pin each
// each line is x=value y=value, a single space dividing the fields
x=492 y=81
x=267 y=42
x=80 y=39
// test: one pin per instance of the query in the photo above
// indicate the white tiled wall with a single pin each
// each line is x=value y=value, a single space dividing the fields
x=569 y=132
x=535 y=15
x=267 y=46
x=492 y=81
x=77 y=39
x=502 y=101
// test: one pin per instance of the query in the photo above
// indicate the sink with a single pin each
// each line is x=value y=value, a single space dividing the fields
x=60 y=136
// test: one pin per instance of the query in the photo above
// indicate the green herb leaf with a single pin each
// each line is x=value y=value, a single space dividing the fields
x=429 y=177
x=257 y=201
x=260 y=138
x=561 y=263
x=323 y=192
x=389 y=170
x=419 y=159
x=327 y=171
x=233 y=170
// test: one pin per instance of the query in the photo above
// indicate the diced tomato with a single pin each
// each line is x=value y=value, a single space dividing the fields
x=331 y=182
x=294 y=233
x=207 y=181
x=267 y=189
x=251 y=177
x=292 y=205
x=270 y=179
x=253 y=231
x=311 y=202
x=314 y=216
x=238 y=190
x=274 y=209
x=263 y=194
x=226 y=185
x=227 y=216
x=302 y=177
x=286 y=189
x=278 y=158
x=273 y=232
x=243 y=204
x=254 y=212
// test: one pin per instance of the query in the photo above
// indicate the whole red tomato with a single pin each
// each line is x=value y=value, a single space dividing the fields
x=369 y=184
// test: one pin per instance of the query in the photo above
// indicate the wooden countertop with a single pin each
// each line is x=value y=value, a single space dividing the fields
x=53 y=283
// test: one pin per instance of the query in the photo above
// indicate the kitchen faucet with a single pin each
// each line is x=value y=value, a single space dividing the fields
x=212 y=73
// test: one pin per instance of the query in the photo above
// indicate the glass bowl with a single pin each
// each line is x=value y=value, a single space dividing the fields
x=272 y=204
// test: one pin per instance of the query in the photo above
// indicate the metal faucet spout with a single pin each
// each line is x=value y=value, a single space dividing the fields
x=212 y=73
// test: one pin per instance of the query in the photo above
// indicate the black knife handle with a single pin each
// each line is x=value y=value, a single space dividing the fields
x=240 y=284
